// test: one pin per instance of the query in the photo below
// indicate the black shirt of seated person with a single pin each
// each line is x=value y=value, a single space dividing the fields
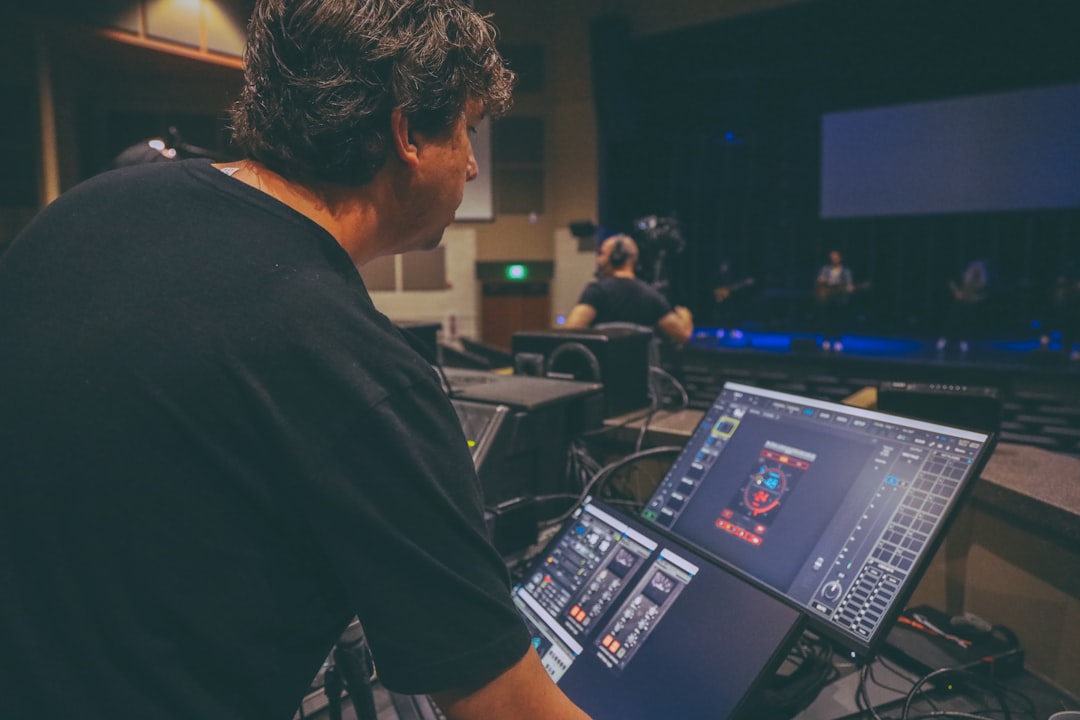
x=618 y=295
x=620 y=299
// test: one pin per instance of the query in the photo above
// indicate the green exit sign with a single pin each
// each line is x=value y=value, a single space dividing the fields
x=517 y=271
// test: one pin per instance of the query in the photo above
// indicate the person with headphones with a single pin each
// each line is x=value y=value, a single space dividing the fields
x=618 y=295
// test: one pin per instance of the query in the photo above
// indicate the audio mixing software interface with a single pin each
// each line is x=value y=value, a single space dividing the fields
x=630 y=625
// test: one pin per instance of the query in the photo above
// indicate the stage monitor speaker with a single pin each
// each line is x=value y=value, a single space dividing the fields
x=616 y=357
x=972 y=406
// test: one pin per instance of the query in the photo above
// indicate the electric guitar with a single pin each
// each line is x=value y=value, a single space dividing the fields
x=724 y=292
x=825 y=292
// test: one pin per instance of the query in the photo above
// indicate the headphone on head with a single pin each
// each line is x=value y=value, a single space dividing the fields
x=618 y=256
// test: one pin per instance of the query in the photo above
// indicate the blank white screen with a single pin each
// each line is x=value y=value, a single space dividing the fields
x=1008 y=151
x=478 y=202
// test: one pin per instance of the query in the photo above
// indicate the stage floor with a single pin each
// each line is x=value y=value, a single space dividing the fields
x=1002 y=353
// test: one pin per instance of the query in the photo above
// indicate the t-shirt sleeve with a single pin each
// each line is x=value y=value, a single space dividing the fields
x=658 y=306
x=592 y=295
x=398 y=512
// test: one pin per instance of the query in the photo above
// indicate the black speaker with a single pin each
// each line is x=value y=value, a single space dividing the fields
x=970 y=406
x=616 y=357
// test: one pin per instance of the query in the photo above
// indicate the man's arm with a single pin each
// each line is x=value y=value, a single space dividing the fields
x=581 y=316
x=678 y=325
x=524 y=692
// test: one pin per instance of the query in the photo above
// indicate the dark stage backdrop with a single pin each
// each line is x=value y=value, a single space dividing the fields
x=725 y=134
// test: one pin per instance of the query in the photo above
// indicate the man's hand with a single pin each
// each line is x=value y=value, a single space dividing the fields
x=678 y=325
x=524 y=692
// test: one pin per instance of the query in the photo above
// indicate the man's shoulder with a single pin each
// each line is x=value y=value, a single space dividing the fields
x=624 y=282
x=645 y=288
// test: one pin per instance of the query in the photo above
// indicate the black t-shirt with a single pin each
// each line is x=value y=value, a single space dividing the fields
x=619 y=299
x=213 y=452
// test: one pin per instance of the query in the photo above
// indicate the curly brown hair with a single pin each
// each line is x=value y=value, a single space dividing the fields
x=323 y=76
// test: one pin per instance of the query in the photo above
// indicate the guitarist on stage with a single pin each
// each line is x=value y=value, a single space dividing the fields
x=728 y=297
x=835 y=284
x=968 y=296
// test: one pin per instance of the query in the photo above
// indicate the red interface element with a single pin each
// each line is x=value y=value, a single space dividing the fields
x=754 y=507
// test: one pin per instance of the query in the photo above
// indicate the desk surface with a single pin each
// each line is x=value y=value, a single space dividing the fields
x=888 y=683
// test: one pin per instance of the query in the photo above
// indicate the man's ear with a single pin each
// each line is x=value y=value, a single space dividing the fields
x=407 y=151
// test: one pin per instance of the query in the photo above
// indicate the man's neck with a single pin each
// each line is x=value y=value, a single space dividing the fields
x=347 y=215
x=623 y=272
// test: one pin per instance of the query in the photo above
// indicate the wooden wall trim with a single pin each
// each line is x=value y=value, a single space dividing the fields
x=171 y=48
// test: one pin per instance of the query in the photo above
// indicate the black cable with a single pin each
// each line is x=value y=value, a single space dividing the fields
x=990 y=686
x=580 y=456
x=645 y=427
x=862 y=695
x=948 y=713
x=607 y=470
x=611 y=467
x=880 y=684
x=579 y=464
x=788 y=694
x=897 y=669
x=557 y=496
x=963 y=675
x=1022 y=696
x=675 y=383
x=610 y=428
x=986 y=684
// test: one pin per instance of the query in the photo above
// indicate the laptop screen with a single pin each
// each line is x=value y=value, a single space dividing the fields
x=835 y=508
x=634 y=627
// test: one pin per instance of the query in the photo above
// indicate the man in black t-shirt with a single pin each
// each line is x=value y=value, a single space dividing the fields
x=618 y=295
x=214 y=450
